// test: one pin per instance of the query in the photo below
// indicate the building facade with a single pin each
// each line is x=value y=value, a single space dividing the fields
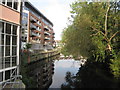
x=9 y=39
x=36 y=28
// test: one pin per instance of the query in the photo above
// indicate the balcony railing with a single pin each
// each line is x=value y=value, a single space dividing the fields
x=33 y=34
x=46 y=28
x=47 y=38
x=46 y=33
x=32 y=27
x=33 y=20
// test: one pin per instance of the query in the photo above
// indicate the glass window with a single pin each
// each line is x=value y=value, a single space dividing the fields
x=1 y=39
x=15 y=4
x=8 y=28
x=8 y=40
x=14 y=59
x=14 y=72
x=1 y=27
x=7 y=62
x=14 y=30
x=14 y=50
x=3 y=1
x=9 y=3
x=1 y=62
x=1 y=76
x=7 y=75
x=14 y=40
x=7 y=51
x=1 y=51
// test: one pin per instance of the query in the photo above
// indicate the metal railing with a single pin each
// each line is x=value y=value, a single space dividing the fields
x=13 y=80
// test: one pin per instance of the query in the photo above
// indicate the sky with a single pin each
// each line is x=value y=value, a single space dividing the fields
x=57 y=11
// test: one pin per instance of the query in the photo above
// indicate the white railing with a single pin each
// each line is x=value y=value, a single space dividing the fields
x=13 y=80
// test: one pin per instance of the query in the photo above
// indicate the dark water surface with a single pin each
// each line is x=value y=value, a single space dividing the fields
x=60 y=69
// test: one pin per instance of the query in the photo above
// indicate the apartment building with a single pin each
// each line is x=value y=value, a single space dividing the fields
x=36 y=28
x=9 y=40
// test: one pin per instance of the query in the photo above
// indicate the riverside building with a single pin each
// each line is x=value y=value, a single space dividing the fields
x=9 y=40
x=36 y=28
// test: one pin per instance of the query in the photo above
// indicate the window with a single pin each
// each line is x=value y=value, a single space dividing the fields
x=8 y=40
x=1 y=51
x=1 y=76
x=7 y=50
x=1 y=39
x=14 y=40
x=14 y=59
x=9 y=3
x=14 y=30
x=7 y=75
x=14 y=50
x=7 y=62
x=1 y=27
x=1 y=62
x=3 y=1
x=8 y=28
x=15 y=4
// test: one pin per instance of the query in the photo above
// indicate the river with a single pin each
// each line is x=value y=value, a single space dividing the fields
x=60 y=69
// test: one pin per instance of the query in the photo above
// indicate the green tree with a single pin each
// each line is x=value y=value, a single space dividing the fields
x=94 y=33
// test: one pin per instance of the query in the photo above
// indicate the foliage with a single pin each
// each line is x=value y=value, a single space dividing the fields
x=27 y=80
x=94 y=34
x=115 y=66
x=28 y=46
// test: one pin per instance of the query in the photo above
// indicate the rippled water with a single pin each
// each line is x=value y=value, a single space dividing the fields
x=61 y=67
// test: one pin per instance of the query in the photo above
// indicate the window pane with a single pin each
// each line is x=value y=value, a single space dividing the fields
x=3 y=1
x=7 y=75
x=7 y=51
x=7 y=62
x=1 y=63
x=14 y=40
x=14 y=72
x=8 y=39
x=14 y=30
x=14 y=50
x=15 y=4
x=1 y=27
x=9 y=3
x=8 y=28
x=1 y=39
x=1 y=51
x=14 y=59
x=1 y=76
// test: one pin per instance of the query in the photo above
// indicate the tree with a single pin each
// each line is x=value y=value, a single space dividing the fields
x=94 y=32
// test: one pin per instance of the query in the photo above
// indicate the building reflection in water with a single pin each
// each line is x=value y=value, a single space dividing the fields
x=42 y=72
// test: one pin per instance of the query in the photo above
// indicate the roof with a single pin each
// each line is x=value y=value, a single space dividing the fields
x=37 y=11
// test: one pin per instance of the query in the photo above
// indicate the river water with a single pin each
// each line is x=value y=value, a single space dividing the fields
x=60 y=69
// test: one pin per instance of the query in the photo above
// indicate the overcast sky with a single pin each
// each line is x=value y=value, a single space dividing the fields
x=57 y=11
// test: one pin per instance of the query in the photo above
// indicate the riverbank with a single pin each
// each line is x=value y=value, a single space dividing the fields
x=35 y=64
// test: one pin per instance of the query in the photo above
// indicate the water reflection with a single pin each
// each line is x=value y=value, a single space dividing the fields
x=50 y=73
x=42 y=72
x=61 y=68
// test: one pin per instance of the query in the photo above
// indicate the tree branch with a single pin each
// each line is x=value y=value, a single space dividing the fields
x=106 y=18
x=113 y=36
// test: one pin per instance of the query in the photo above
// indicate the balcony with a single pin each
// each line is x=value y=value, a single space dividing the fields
x=53 y=33
x=32 y=27
x=33 y=34
x=32 y=20
x=46 y=33
x=38 y=35
x=47 y=38
x=46 y=28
